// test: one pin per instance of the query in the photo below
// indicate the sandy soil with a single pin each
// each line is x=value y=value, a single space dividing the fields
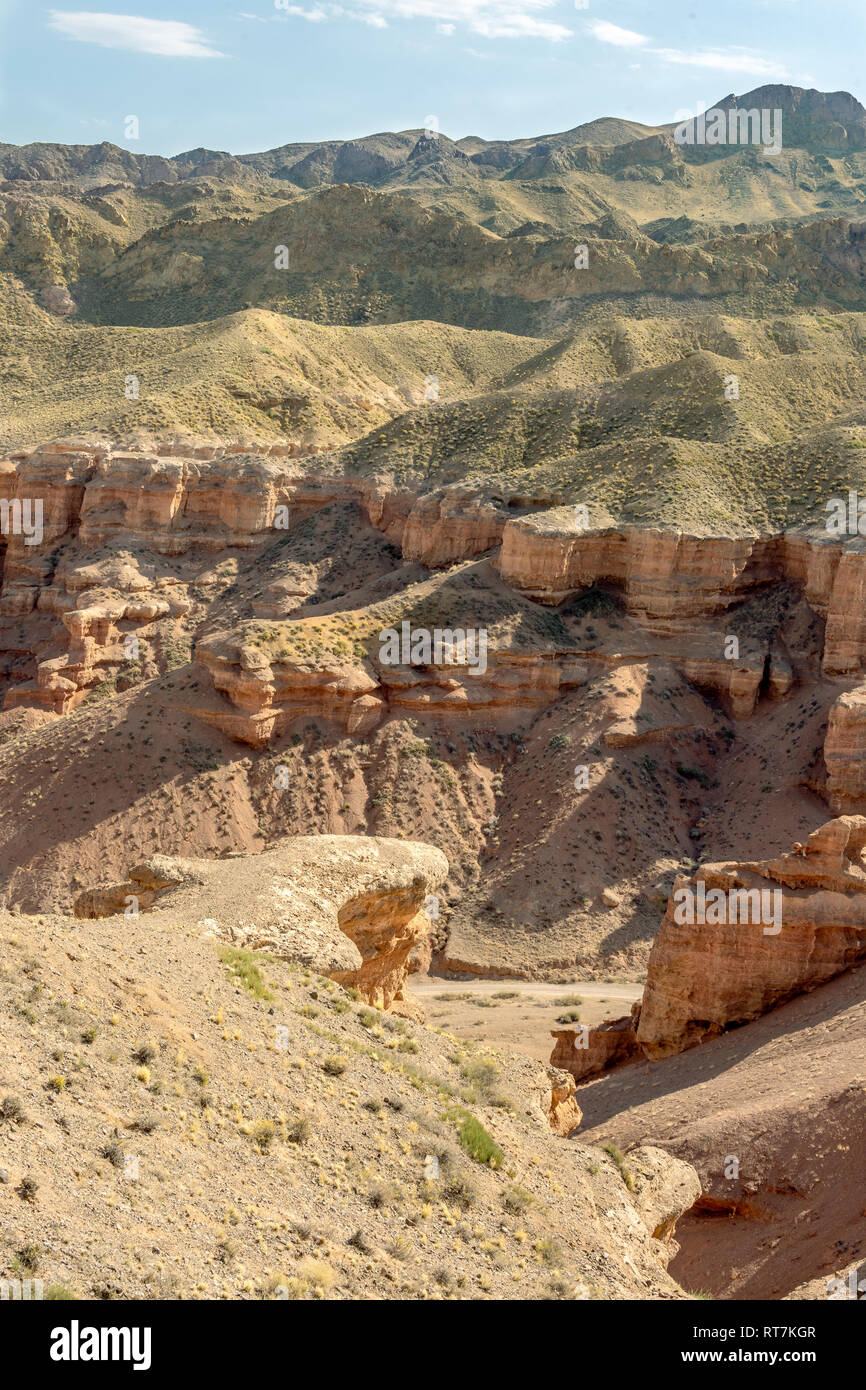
x=191 y=1127
x=519 y=1014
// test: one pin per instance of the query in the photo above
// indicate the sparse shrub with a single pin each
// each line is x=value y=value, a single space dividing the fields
x=460 y=1190
x=317 y=1272
x=113 y=1152
x=242 y=966
x=28 y=1257
x=393 y=1022
x=27 y=1189
x=12 y=1111
x=479 y=1144
x=298 y=1130
x=619 y=1159
x=57 y=1084
x=334 y=1066
x=263 y=1134
x=483 y=1075
x=400 y=1248
x=693 y=774
x=549 y=1250
x=145 y=1124
x=570 y=1016
x=296 y=1290
x=517 y=1200
x=383 y=1194
x=144 y=1053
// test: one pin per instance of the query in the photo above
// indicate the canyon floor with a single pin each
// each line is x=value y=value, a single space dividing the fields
x=518 y=1014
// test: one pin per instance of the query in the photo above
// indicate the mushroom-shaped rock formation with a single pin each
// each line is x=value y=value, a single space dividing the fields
x=347 y=906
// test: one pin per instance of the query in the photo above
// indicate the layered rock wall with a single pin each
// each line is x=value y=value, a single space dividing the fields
x=737 y=940
x=705 y=976
x=116 y=526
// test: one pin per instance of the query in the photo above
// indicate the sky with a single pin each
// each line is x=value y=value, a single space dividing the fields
x=255 y=74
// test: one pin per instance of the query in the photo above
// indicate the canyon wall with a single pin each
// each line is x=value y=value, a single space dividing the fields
x=845 y=753
x=669 y=577
x=125 y=535
x=760 y=933
x=705 y=976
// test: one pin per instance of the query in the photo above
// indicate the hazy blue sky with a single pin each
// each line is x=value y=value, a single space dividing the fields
x=254 y=74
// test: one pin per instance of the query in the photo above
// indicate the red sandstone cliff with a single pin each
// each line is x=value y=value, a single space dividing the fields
x=750 y=952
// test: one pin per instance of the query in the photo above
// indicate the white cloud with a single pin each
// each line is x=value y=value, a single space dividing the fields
x=168 y=37
x=492 y=19
x=514 y=25
x=317 y=15
x=611 y=33
x=734 y=60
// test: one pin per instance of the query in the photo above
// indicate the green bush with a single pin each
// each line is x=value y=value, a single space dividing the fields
x=479 y=1144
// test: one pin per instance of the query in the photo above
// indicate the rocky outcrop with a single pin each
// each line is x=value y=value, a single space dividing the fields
x=737 y=940
x=810 y=925
x=119 y=544
x=662 y=1189
x=351 y=907
x=663 y=573
x=266 y=691
x=586 y=1052
x=845 y=753
x=565 y=1113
